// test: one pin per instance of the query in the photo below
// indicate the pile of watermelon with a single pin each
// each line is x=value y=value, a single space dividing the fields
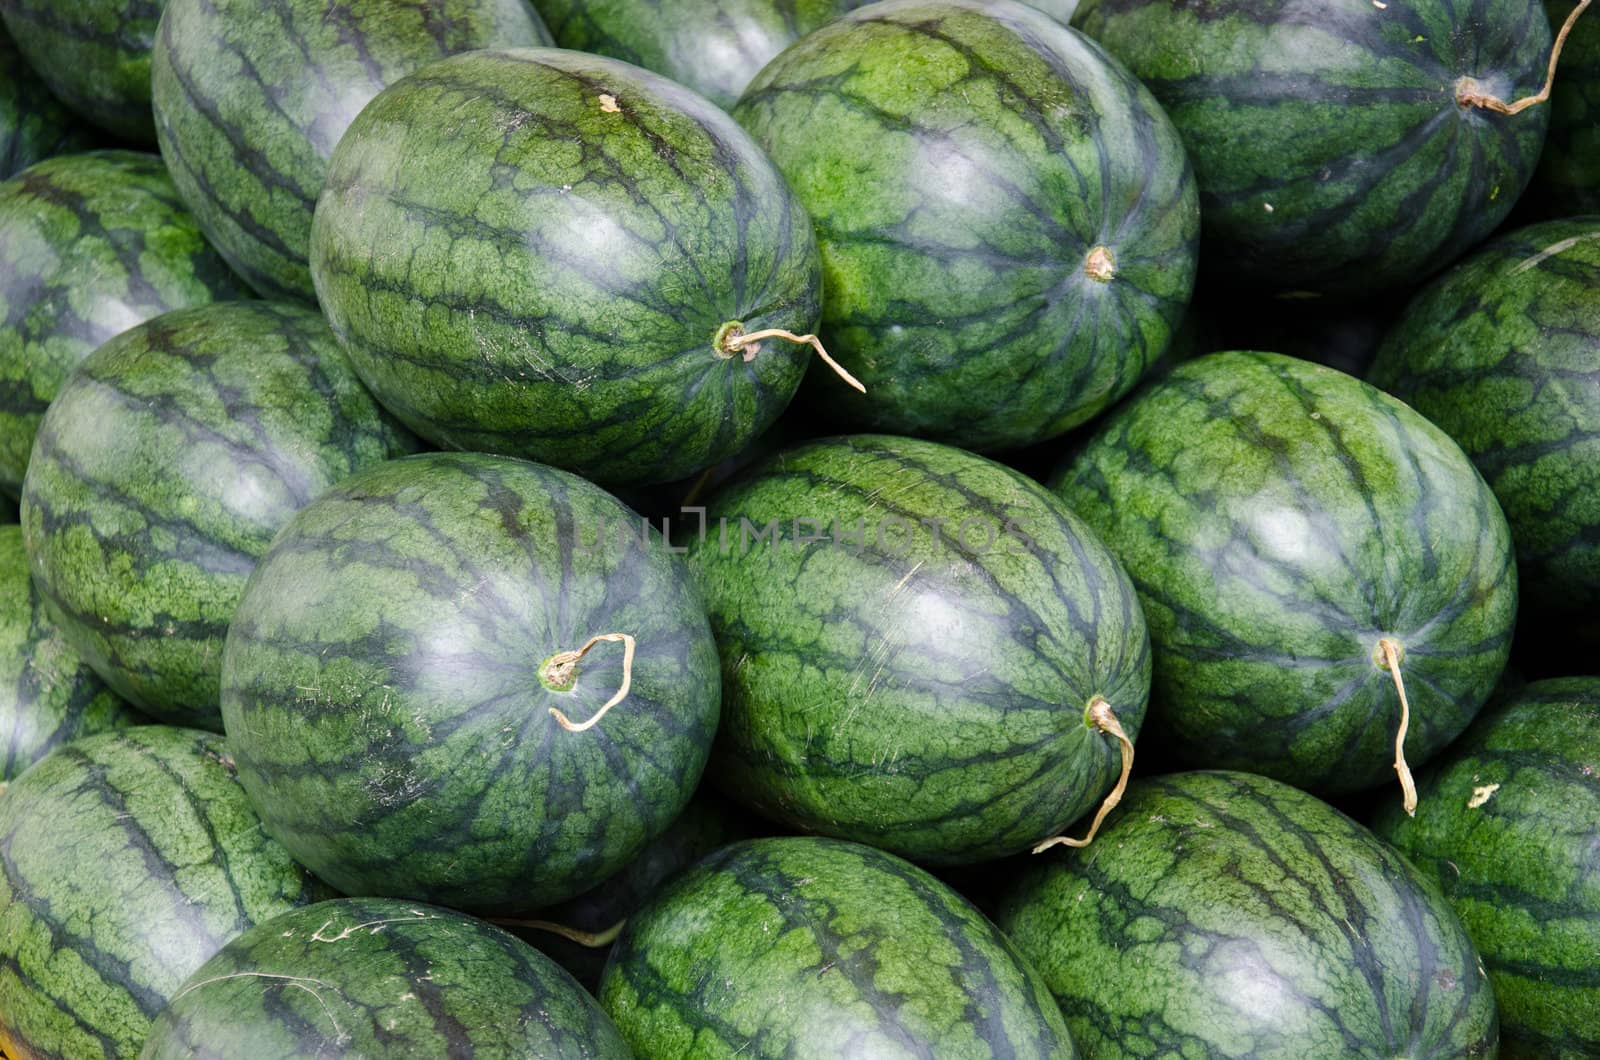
x=799 y=528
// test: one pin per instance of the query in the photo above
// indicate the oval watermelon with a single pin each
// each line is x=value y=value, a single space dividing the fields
x=94 y=55
x=390 y=684
x=251 y=97
x=1499 y=352
x=913 y=639
x=1282 y=522
x=1510 y=829
x=1224 y=914
x=1007 y=220
x=815 y=948
x=33 y=124
x=580 y=242
x=126 y=860
x=161 y=472
x=90 y=245
x=48 y=695
x=375 y=978
x=1333 y=153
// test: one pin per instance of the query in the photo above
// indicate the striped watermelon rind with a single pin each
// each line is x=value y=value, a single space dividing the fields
x=94 y=55
x=33 y=123
x=1507 y=826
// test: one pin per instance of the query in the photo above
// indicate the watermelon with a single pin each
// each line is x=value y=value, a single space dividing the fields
x=556 y=256
x=913 y=642
x=1283 y=522
x=809 y=947
x=251 y=97
x=1567 y=181
x=94 y=55
x=1499 y=353
x=1510 y=829
x=376 y=978
x=89 y=246
x=126 y=860
x=33 y=125
x=160 y=474
x=398 y=684
x=48 y=695
x=1225 y=914
x=1335 y=152
x=712 y=46
x=1007 y=220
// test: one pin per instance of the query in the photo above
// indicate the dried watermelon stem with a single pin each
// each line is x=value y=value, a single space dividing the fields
x=736 y=340
x=1408 y=786
x=561 y=669
x=1104 y=719
x=594 y=940
x=1469 y=95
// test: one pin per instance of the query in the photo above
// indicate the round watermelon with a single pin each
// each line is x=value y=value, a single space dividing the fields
x=712 y=46
x=1567 y=181
x=90 y=245
x=251 y=97
x=48 y=695
x=401 y=693
x=1334 y=146
x=557 y=256
x=814 y=948
x=126 y=860
x=161 y=472
x=1510 y=829
x=33 y=125
x=380 y=979
x=1499 y=353
x=1283 y=522
x=94 y=55
x=1007 y=220
x=1224 y=914
x=914 y=640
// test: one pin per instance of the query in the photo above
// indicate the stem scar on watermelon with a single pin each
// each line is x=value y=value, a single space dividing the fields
x=560 y=672
x=1470 y=94
x=1389 y=655
x=1100 y=264
x=1101 y=716
x=732 y=339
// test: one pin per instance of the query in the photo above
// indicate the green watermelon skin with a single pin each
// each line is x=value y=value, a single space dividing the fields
x=1279 y=519
x=925 y=694
x=33 y=124
x=559 y=304
x=48 y=695
x=712 y=46
x=419 y=601
x=823 y=949
x=964 y=161
x=376 y=977
x=1508 y=828
x=1225 y=914
x=1331 y=155
x=162 y=471
x=94 y=55
x=1567 y=181
x=252 y=97
x=1499 y=352
x=126 y=860
x=90 y=245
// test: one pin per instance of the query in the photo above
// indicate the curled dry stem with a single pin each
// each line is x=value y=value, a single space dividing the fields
x=1105 y=719
x=561 y=668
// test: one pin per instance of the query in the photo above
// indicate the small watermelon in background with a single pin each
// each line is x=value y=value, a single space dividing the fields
x=1567 y=181
x=712 y=46
x=921 y=649
x=48 y=694
x=1224 y=914
x=379 y=979
x=1007 y=220
x=1510 y=829
x=1298 y=538
x=251 y=97
x=90 y=245
x=94 y=55
x=454 y=678
x=564 y=257
x=1335 y=148
x=33 y=124
x=162 y=471
x=577 y=934
x=1501 y=353
x=129 y=858
x=806 y=947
